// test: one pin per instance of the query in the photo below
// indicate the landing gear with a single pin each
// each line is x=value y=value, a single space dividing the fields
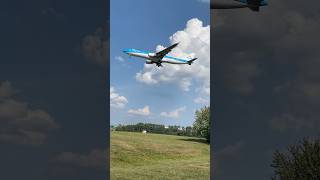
x=159 y=64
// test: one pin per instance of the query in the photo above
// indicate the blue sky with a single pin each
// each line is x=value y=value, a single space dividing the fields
x=162 y=98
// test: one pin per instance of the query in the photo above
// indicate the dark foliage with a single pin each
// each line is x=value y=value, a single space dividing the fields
x=203 y=123
x=301 y=162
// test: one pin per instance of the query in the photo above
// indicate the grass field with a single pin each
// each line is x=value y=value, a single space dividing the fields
x=137 y=156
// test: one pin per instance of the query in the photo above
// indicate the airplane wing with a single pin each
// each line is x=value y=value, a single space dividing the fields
x=164 y=52
x=254 y=5
x=254 y=8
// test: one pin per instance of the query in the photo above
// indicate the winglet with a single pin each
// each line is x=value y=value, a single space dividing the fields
x=176 y=44
x=191 y=61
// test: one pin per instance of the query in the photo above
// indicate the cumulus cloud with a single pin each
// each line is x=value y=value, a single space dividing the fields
x=95 y=48
x=21 y=124
x=225 y=156
x=116 y=100
x=288 y=121
x=96 y=158
x=52 y=12
x=142 y=112
x=205 y=1
x=6 y=90
x=173 y=114
x=200 y=100
x=119 y=58
x=240 y=72
x=194 y=42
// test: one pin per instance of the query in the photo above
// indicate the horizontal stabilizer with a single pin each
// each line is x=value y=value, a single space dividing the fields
x=191 y=61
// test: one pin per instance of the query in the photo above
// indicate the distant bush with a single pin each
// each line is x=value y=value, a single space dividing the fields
x=156 y=128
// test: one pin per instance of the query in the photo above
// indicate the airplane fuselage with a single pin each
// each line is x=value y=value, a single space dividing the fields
x=252 y=4
x=150 y=57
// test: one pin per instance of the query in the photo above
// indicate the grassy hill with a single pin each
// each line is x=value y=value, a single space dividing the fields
x=137 y=156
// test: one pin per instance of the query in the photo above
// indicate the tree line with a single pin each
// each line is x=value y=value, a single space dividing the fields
x=157 y=128
x=201 y=126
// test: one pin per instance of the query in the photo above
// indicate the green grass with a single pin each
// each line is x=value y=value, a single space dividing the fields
x=137 y=156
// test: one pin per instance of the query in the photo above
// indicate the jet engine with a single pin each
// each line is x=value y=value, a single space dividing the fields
x=149 y=62
x=151 y=54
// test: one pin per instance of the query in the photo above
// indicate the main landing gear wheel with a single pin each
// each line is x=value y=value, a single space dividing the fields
x=159 y=64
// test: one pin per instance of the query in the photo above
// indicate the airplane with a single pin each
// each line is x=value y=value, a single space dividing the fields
x=159 y=57
x=254 y=5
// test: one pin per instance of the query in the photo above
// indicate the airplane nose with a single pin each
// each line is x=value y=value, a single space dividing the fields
x=125 y=51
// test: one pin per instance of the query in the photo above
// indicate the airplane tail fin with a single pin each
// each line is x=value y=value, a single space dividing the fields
x=254 y=5
x=191 y=61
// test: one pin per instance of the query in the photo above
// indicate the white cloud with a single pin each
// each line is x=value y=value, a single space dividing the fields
x=173 y=114
x=205 y=1
x=6 y=90
x=293 y=122
x=116 y=100
x=119 y=58
x=143 y=111
x=194 y=42
x=200 y=100
x=95 y=47
x=20 y=122
x=95 y=158
x=146 y=78
x=226 y=154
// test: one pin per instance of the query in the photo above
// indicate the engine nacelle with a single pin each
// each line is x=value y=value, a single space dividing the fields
x=149 y=62
x=151 y=54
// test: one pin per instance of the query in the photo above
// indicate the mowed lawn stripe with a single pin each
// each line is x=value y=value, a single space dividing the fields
x=157 y=156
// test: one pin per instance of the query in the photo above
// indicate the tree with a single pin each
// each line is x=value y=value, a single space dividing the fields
x=202 y=123
x=301 y=162
x=188 y=131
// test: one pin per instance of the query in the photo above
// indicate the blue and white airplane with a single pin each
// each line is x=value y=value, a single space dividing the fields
x=254 y=5
x=159 y=57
